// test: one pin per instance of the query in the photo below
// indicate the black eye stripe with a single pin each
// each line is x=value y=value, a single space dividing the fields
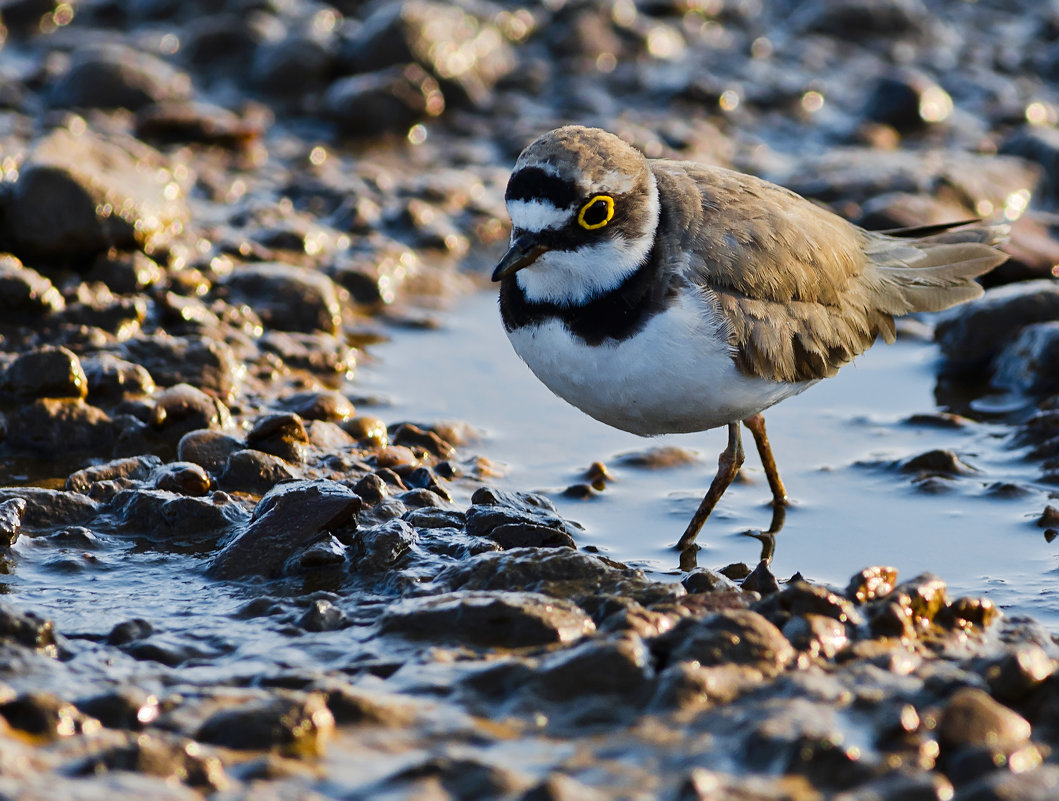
x=533 y=183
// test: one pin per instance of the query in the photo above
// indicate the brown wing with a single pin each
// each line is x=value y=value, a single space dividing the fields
x=802 y=290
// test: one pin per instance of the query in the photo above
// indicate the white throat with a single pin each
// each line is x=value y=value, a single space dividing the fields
x=574 y=277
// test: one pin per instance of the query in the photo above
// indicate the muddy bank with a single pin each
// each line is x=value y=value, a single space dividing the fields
x=232 y=572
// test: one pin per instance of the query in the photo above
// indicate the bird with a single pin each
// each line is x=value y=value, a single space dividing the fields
x=662 y=296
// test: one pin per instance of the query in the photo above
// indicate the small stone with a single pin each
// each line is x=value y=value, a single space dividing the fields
x=327 y=405
x=938 y=463
x=25 y=628
x=816 y=635
x=703 y=580
x=126 y=708
x=322 y=615
x=11 y=512
x=254 y=472
x=207 y=448
x=734 y=636
x=24 y=291
x=386 y=101
x=282 y=434
x=1019 y=672
x=871 y=583
x=134 y=468
x=288 y=298
x=111 y=379
x=291 y=724
x=617 y=667
x=380 y=546
x=115 y=76
x=761 y=580
x=183 y=478
x=183 y=408
x=973 y=718
x=47 y=716
x=48 y=426
x=47 y=510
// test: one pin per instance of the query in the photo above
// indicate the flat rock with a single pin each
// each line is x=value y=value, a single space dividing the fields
x=286 y=519
x=492 y=619
x=48 y=509
x=288 y=298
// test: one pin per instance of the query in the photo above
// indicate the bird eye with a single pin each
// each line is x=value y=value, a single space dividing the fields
x=596 y=213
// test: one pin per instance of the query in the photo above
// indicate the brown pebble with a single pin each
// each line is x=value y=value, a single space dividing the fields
x=973 y=718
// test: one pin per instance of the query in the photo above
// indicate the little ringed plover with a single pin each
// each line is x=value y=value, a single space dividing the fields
x=666 y=296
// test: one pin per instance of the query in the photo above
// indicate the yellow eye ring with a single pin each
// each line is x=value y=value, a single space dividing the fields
x=607 y=201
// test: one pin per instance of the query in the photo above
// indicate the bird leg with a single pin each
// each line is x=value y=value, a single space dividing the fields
x=728 y=464
x=756 y=424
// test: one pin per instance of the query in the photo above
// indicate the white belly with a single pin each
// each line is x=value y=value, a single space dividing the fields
x=676 y=375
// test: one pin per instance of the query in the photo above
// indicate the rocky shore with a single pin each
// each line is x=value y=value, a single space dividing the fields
x=230 y=573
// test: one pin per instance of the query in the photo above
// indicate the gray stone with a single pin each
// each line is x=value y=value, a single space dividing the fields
x=115 y=76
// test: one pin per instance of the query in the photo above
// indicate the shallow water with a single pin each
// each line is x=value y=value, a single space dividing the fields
x=833 y=444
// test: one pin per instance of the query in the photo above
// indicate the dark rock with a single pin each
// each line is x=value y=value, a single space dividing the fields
x=386 y=102
x=204 y=123
x=433 y=517
x=46 y=716
x=183 y=478
x=490 y=619
x=357 y=705
x=220 y=43
x=175 y=759
x=1041 y=784
x=114 y=76
x=183 y=408
x=853 y=21
x=412 y=436
x=972 y=335
x=135 y=468
x=319 y=353
x=620 y=668
x=286 y=519
x=372 y=489
x=174 y=521
x=732 y=636
x=204 y=363
x=521 y=522
x=816 y=635
x=381 y=546
x=1039 y=144
x=327 y=405
x=293 y=65
x=50 y=426
x=871 y=583
x=47 y=510
x=126 y=272
x=938 y=463
x=800 y=598
x=282 y=434
x=254 y=472
x=208 y=449
x=324 y=553
x=467 y=52
x=287 y=298
x=925 y=595
x=907 y=101
x=761 y=580
x=111 y=379
x=25 y=628
x=295 y=724
x=125 y=708
x=129 y=631
x=1030 y=363
x=559 y=787
x=11 y=512
x=80 y=194
x=322 y=615
x=973 y=762
x=965 y=613
x=46 y=373
x=24 y=291
x=972 y=718
x=463 y=779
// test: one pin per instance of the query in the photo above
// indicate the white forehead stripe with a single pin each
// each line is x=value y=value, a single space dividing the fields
x=536 y=215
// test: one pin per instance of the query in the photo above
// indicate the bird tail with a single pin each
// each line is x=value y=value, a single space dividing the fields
x=933 y=267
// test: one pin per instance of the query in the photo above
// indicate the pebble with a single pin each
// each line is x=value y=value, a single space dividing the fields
x=297 y=725
x=116 y=76
x=973 y=718
x=288 y=298
x=734 y=636
x=11 y=512
x=46 y=373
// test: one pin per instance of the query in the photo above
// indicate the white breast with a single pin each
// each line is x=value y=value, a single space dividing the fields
x=675 y=375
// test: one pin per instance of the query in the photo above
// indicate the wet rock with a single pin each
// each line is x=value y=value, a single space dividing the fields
x=617 y=667
x=254 y=472
x=761 y=580
x=855 y=21
x=26 y=628
x=47 y=510
x=661 y=458
x=134 y=468
x=126 y=708
x=703 y=580
x=46 y=373
x=294 y=724
x=79 y=194
x=24 y=291
x=733 y=636
x=871 y=583
x=1030 y=364
x=816 y=635
x=114 y=76
x=938 y=463
x=281 y=434
x=1040 y=144
x=292 y=65
x=208 y=449
x=463 y=779
x=967 y=613
x=129 y=631
x=358 y=705
x=126 y=272
x=799 y=598
x=387 y=101
x=490 y=619
x=972 y=718
x=925 y=596
x=327 y=405
x=205 y=123
x=322 y=615
x=46 y=716
x=381 y=546
x=201 y=362
x=175 y=521
x=49 y=426
x=972 y=336
x=287 y=518
x=111 y=379
x=518 y=521
x=183 y=408
x=1040 y=784
x=176 y=759
x=287 y=298
x=183 y=478
x=907 y=101
x=559 y=787
x=321 y=354
x=412 y=436
x=11 y=512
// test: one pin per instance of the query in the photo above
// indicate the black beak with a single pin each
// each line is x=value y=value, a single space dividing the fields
x=522 y=253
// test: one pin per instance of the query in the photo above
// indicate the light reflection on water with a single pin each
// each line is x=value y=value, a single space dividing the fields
x=845 y=516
